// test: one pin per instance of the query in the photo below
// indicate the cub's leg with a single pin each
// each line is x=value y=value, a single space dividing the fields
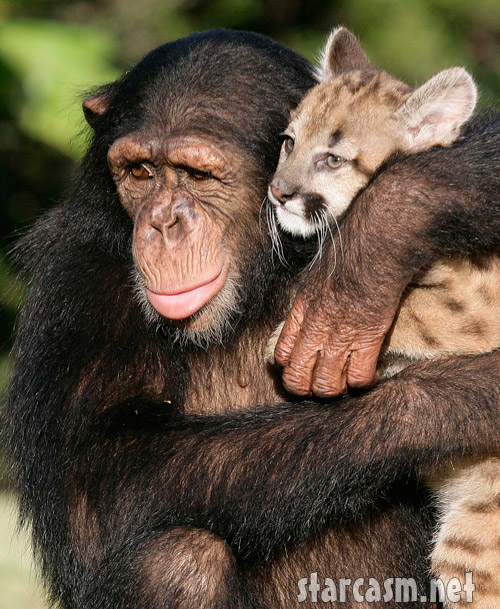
x=468 y=534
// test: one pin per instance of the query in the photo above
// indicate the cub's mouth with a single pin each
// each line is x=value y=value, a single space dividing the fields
x=293 y=217
x=293 y=221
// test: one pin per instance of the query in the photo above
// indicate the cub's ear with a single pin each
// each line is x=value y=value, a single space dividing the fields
x=94 y=107
x=435 y=112
x=342 y=53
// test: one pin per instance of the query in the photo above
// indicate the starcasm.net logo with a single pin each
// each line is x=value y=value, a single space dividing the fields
x=370 y=590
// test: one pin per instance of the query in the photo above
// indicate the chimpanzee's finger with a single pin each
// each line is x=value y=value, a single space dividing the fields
x=289 y=334
x=297 y=376
x=330 y=375
x=362 y=366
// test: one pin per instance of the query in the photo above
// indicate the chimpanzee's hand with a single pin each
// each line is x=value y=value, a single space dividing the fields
x=344 y=308
x=333 y=336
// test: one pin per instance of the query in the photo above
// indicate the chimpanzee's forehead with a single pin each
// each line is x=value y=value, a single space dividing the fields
x=194 y=114
x=223 y=71
x=231 y=86
x=192 y=90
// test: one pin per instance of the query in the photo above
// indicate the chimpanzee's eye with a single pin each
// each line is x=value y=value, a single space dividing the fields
x=288 y=144
x=141 y=172
x=334 y=162
x=197 y=174
x=201 y=175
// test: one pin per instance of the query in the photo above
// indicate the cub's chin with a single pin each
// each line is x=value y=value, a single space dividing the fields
x=294 y=223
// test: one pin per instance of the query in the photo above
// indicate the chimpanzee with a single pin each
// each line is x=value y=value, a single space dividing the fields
x=158 y=460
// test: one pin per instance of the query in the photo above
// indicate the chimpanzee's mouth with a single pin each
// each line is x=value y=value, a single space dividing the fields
x=184 y=302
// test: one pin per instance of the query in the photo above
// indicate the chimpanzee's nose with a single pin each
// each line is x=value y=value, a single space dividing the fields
x=280 y=194
x=174 y=218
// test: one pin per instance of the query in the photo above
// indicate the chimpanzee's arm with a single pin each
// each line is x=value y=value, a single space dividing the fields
x=442 y=202
x=280 y=473
x=107 y=480
x=123 y=497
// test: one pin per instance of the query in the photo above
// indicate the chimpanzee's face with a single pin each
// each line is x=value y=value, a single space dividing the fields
x=195 y=223
x=192 y=138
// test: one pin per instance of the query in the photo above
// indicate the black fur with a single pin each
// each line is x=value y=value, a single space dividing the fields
x=467 y=219
x=313 y=203
x=117 y=483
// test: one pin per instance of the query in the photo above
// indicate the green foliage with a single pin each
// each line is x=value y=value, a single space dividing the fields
x=54 y=62
x=417 y=38
x=11 y=291
x=18 y=579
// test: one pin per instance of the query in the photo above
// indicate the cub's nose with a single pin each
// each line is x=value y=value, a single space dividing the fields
x=281 y=194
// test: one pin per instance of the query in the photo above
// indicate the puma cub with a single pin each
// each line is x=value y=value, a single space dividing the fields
x=340 y=134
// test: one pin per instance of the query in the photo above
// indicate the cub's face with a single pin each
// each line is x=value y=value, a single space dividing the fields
x=338 y=136
x=350 y=123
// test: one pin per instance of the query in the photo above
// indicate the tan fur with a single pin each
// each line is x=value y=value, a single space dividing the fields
x=364 y=116
x=364 y=107
x=468 y=538
x=453 y=308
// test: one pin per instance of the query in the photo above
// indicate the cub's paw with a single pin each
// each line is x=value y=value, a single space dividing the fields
x=271 y=344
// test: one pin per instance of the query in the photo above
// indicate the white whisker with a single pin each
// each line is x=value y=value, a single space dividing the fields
x=340 y=239
x=320 y=233
x=329 y=228
x=277 y=246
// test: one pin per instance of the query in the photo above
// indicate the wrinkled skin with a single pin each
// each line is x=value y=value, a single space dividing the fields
x=180 y=192
x=330 y=342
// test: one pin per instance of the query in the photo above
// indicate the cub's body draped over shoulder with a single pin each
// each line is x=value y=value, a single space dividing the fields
x=342 y=132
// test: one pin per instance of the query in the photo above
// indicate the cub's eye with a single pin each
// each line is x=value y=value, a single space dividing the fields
x=288 y=144
x=334 y=162
x=141 y=172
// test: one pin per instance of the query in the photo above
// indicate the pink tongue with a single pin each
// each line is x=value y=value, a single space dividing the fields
x=185 y=304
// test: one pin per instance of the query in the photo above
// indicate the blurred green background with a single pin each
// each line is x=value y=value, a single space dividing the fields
x=52 y=51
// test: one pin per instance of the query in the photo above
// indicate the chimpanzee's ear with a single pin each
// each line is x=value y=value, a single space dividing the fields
x=434 y=114
x=342 y=53
x=95 y=106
